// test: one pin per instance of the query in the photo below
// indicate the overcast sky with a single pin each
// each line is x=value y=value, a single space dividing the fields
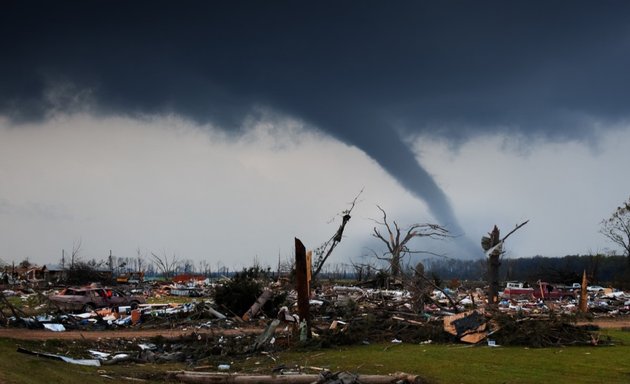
x=220 y=132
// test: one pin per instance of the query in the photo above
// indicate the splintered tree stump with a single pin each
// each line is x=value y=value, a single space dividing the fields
x=301 y=282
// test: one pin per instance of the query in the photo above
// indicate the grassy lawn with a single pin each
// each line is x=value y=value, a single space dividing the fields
x=466 y=364
x=19 y=368
x=457 y=364
x=454 y=363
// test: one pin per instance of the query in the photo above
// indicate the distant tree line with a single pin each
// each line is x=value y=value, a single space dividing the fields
x=600 y=269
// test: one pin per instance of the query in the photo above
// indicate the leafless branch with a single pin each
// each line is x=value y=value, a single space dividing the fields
x=164 y=263
x=617 y=227
x=514 y=230
x=325 y=250
x=76 y=248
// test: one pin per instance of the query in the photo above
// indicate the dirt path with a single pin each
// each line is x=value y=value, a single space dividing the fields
x=622 y=322
x=42 y=334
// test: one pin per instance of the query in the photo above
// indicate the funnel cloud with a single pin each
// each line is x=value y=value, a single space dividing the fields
x=370 y=74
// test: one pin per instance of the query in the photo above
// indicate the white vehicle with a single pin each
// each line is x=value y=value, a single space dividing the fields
x=595 y=288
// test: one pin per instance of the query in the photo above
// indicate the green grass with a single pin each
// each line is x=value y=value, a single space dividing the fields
x=19 y=368
x=456 y=363
x=466 y=364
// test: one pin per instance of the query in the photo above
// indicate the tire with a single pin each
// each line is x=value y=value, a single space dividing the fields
x=134 y=305
x=88 y=307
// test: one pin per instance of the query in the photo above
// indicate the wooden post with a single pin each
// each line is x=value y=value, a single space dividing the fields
x=302 y=285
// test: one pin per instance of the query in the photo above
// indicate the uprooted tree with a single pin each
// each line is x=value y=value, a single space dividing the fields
x=617 y=228
x=397 y=240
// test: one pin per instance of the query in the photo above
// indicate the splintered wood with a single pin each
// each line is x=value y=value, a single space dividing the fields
x=470 y=327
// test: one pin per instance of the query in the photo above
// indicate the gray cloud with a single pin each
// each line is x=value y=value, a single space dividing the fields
x=33 y=210
x=360 y=71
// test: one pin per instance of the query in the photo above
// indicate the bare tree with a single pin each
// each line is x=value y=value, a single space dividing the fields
x=617 y=228
x=363 y=271
x=397 y=239
x=76 y=248
x=165 y=264
x=139 y=260
x=204 y=268
x=188 y=266
x=122 y=264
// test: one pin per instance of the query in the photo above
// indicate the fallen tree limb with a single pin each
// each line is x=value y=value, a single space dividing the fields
x=221 y=378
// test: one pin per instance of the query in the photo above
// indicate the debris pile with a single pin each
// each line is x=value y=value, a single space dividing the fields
x=339 y=315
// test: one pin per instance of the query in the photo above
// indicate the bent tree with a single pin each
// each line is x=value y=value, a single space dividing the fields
x=324 y=251
x=617 y=228
x=397 y=239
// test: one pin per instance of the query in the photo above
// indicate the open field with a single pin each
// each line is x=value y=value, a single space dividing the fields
x=447 y=363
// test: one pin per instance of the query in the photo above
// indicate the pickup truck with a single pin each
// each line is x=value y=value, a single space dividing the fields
x=539 y=290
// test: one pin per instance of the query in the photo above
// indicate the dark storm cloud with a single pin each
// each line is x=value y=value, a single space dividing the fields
x=357 y=70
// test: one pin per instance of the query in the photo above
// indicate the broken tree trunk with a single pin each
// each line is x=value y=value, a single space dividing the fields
x=335 y=240
x=493 y=267
x=583 y=294
x=219 y=378
x=302 y=285
x=493 y=245
x=255 y=308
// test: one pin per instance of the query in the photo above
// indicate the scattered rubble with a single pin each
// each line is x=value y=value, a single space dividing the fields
x=339 y=315
x=90 y=362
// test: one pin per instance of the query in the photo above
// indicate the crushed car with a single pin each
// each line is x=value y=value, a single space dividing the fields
x=89 y=299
